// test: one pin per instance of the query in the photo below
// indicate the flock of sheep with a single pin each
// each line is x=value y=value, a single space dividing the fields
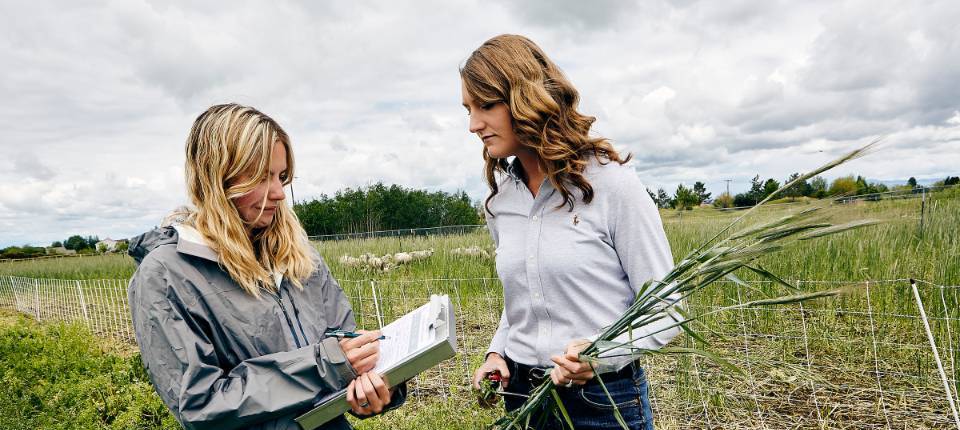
x=388 y=262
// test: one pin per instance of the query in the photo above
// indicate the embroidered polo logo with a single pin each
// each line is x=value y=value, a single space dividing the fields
x=576 y=219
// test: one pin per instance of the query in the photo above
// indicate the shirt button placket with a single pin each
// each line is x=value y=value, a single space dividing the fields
x=533 y=271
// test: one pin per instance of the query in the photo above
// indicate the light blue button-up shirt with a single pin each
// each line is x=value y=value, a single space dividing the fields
x=568 y=274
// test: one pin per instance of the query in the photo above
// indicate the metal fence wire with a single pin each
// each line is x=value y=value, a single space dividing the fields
x=863 y=360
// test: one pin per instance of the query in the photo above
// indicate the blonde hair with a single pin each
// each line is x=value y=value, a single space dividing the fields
x=513 y=70
x=228 y=154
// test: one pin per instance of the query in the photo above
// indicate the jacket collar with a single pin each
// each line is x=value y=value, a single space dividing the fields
x=191 y=242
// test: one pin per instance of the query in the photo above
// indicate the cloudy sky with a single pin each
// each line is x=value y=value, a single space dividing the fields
x=98 y=96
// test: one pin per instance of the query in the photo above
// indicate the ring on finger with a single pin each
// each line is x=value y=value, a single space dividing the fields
x=364 y=404
x=569 y=383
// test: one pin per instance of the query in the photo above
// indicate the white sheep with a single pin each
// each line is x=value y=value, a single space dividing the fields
x=420 y=255
x=349 y=261
x=473 y=251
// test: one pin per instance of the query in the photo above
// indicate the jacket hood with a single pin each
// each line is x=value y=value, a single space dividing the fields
x=189 y=241
x=141 y=245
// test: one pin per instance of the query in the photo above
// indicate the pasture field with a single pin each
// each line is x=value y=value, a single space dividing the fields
x=894 y=249
x=860 y=360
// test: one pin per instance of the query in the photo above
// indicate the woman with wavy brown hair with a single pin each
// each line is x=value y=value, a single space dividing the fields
x=576 y=235
x=231 y=304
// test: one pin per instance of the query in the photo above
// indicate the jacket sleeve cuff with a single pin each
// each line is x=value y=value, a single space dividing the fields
x=333 y=365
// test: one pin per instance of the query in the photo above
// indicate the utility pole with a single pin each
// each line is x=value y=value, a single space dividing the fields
x=293 y=198
x=728 y=186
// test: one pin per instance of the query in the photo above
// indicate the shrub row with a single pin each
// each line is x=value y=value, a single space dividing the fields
x=58 y=376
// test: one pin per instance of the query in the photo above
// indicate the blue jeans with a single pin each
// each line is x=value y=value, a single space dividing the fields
x=588 y=406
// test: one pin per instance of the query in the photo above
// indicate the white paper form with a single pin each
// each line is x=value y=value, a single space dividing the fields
x=408 y=335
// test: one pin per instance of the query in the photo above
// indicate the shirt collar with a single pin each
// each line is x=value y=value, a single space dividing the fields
x=513 y=172
x=513 y=169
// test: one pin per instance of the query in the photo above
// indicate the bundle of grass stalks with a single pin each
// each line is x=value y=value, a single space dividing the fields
x=716 y=259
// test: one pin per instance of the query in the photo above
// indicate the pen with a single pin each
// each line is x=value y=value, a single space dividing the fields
x=346 y=334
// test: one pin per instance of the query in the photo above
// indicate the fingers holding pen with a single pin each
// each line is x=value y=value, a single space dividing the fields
x=362 y=351
x=364 y=338
x=366 y=362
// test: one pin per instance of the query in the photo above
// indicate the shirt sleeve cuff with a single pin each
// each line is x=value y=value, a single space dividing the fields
x=498 y=344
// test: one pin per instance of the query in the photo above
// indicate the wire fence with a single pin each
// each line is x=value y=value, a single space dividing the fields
x=420 y=231
x=862 y=360
x=918 y=192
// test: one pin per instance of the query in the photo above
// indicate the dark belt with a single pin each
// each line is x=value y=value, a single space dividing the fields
x=536 y=374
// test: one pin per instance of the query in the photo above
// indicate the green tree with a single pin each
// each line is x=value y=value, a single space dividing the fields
x=724 y=200
x=25 y=251
x=818 y=187
x=756 y=190
x=660 y=198
x=663 y=199
x=684 y=198
x=381 y=207
x=846 y=185
x=769 y=186
x=700 y=190
x=799 y=189
x=862 y=186
x=75 y=242
x=912 y=182
x=56 y=244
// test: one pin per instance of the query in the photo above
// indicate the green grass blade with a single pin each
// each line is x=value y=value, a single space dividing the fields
x=776 y=279
x=838 y=229
x=561 y=408
x=616 y=410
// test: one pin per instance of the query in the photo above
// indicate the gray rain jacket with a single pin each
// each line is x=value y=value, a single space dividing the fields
x=222 y=359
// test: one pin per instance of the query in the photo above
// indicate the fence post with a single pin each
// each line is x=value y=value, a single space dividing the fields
x=376 y=303
x=83 y=304
x=936 y=353
x=13 y=296
x=923 y=207
x=17 y=302
x=18 y=296
x=36 y=296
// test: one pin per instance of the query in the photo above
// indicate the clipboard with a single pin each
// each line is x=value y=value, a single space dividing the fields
x=443 y=345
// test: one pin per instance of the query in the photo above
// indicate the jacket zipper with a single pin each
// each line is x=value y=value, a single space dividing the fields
x=279 y=299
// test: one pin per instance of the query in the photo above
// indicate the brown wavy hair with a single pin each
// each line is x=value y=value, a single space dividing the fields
x=228 y=153
x=512 y=69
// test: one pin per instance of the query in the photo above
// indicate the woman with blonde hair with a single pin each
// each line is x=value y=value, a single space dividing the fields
x=576 y=235
x=231 y=304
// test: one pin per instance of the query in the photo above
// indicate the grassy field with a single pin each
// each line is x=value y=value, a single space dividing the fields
x=857 y=361
x=894 y=249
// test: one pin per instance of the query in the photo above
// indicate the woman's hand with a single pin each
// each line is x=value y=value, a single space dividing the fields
x=494 y=362
x=570 y=370
x=368 y=394
x=362 y=351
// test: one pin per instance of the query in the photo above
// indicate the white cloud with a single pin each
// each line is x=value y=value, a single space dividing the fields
x=99 y=96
